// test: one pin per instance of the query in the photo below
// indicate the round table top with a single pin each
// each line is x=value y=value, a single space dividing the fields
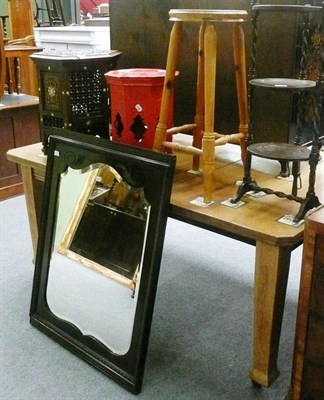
x=280 y=151
x=194 y=15
x=284 y=83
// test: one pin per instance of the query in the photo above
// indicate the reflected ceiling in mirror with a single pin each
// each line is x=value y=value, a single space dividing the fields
x=98 y=257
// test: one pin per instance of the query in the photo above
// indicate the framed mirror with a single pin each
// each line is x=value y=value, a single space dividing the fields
x=103 y=221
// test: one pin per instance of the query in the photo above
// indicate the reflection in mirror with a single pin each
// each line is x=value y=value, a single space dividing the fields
x=100 y=232
x=104 y=215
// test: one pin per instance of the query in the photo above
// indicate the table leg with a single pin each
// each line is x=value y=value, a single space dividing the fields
x=29 y=189
x=270 y=284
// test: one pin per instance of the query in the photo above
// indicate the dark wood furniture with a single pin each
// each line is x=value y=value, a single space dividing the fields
x=19 y=126
x=255 y=223
x=73 y=92
x=309 y=96
x=104 y=272
x=296 y=54
x=308 y=364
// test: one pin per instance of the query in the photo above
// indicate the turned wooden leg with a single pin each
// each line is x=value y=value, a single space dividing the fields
x=270 y=284
x=9 y=76
x=17 y=74
x=168 y=88
x=208 y=145
x=200 y=109
x=241 y=84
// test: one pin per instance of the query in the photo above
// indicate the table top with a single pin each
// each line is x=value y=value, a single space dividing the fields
x=284 y=83
x=15 y=50
x=75 y=55
x=11 y=101
x=256 y=220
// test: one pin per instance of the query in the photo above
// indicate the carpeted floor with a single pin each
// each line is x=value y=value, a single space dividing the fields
x=200 y=345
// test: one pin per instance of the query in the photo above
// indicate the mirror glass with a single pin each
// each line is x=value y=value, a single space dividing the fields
x=97 y=257
x=104 y=214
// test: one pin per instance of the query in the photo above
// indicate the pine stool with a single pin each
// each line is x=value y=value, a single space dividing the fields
x=204 y=137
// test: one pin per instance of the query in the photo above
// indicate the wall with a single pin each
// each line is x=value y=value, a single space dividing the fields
x=140 y=29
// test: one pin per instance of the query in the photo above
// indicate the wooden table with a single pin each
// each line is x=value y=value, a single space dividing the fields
x=16 y=52
x=255 y=223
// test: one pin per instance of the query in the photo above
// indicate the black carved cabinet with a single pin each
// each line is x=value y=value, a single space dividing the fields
x=73 y=92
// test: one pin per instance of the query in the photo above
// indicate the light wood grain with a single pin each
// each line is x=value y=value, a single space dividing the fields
x=255 y=223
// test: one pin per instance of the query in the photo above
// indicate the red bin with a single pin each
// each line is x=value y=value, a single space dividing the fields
x=135 y=97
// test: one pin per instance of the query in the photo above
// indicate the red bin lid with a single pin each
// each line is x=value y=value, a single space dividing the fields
x=137 y=73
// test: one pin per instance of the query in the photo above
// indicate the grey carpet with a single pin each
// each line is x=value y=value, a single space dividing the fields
x=200 y=345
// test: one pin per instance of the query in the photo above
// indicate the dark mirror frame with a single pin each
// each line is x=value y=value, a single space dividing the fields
x=155 y=172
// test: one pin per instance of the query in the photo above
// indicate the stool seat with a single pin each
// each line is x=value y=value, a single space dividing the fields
x=280 y=151
x=211 y=15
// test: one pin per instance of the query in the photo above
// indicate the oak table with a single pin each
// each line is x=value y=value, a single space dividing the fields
x=255 y=223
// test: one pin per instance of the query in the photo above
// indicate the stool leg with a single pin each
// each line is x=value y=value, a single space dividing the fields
x=208 y=143
x=200 y=109
x=241 y=85
x=168 y=87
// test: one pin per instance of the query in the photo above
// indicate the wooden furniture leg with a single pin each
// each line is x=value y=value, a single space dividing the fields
x=200 y=106
x=208 y=155
x=241 y=84
x=32 y=211
x=204 y=138
x=8 y=76
x=270 y=284
x=173 y=53
x=17 y=74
